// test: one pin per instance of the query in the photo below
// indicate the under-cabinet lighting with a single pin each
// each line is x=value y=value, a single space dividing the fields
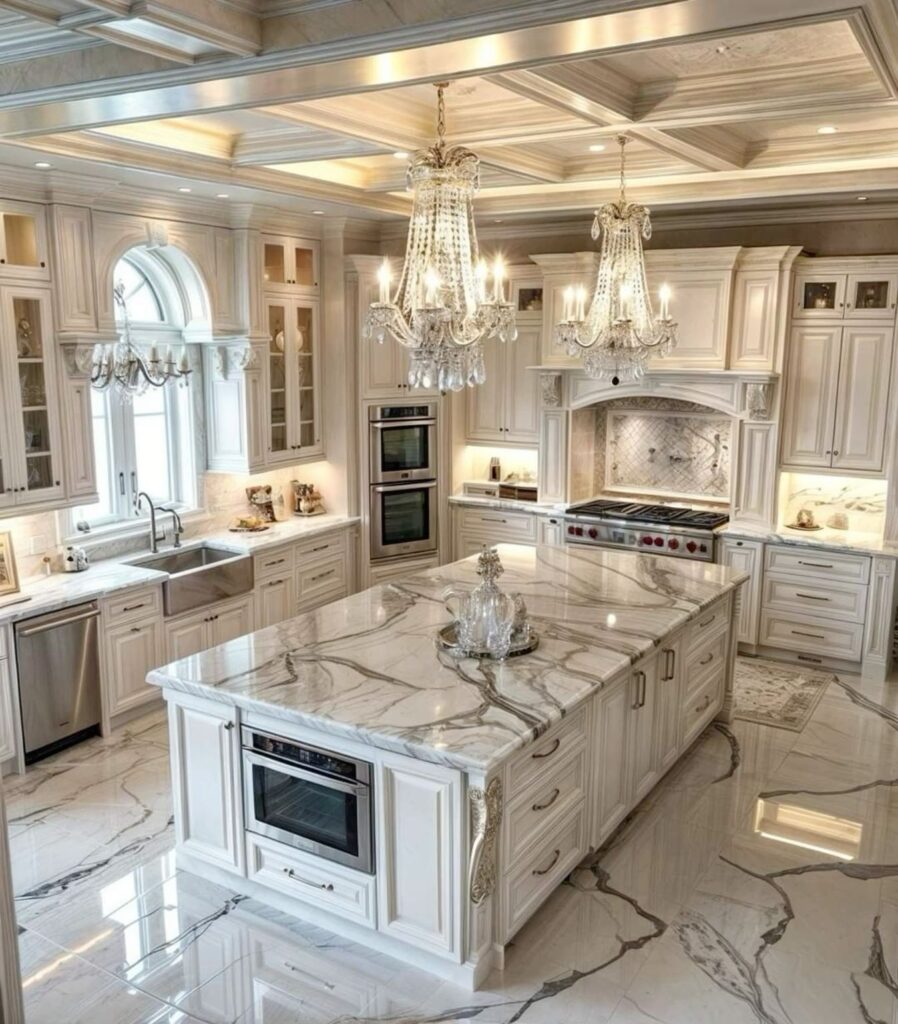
x=222 y=195
x=43 y=165
x=827 y=129
x=184 y=188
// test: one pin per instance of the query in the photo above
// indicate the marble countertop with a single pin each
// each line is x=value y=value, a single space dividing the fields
x=484 y=501
x=366 y=668
x=851 y=541
x=48 y=593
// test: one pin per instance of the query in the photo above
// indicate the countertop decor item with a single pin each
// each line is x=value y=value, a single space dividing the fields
x=804 y=520
x=489 y=623
x=74 y=559
x=442 y=311
x=262 y=502
x=619 y=331
x=9 y=577
x=307 y=500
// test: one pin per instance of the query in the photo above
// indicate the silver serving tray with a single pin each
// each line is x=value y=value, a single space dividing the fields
x=447 y=640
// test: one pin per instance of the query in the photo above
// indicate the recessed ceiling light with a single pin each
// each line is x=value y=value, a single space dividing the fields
x=318 y=213
x=827 y=129
x=401 y=154
x=597 y=147
x=43 y=165
x=497 y=220
x=184 y=188
x=862 y=199
x=222 y=195
x=721 y=48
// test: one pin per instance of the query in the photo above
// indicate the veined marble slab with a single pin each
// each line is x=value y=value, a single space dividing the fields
x=367 y=668
x=49 y=593
x=851 y=541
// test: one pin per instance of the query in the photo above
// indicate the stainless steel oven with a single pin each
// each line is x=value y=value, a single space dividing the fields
x=403 y=519
x=402 y=442
x=309 y=798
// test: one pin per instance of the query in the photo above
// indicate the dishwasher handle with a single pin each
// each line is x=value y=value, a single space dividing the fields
x=56 y=623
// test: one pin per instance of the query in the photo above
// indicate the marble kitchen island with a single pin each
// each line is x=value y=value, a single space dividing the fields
x=486 y=782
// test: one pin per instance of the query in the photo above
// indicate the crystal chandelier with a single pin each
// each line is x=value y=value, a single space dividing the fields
x=442 y=309
x=619 y=331
x=123 y=367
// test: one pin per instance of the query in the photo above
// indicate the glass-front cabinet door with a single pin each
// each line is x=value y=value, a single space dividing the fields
x=818 y=296
x=30 y=469
x=293 y=380
x=871 y=297
x=289 y=264
x=278 y=427
x=23 y=241
x=306 y=376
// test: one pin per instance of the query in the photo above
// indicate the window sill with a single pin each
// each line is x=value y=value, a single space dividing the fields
x=133 y=529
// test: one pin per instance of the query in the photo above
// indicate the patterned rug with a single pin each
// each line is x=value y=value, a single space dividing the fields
x=777 y=693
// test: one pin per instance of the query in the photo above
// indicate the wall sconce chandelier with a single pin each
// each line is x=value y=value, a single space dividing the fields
x=619 y=332
x=123 y=367
x=443 y=308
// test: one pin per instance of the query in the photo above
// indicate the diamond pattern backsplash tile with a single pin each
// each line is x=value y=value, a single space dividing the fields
x=677 y=453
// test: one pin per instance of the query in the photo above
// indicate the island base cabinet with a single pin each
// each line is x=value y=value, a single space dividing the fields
x=611 y=797
x=419 y=855
x=644 y=724
x=205 y=760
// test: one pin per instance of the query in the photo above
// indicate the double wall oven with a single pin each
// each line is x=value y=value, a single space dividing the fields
x=402 y=446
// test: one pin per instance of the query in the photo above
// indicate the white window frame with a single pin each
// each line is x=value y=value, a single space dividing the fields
x=180 y=411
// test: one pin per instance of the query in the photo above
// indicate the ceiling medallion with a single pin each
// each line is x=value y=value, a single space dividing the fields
x=619 y=331
x=448 y=300
x=123 y=367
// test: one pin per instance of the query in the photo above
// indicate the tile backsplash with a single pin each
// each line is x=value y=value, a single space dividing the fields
x=648 y=446
x=862 y=501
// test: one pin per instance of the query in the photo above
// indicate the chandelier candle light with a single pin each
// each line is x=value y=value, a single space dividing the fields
x=619 y=331
x=122 y=366
x=443 y=308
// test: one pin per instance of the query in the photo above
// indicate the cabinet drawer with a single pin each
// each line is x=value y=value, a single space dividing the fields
x=824 y=566
x=705 y=659
x=540 y=871
x=701 y=706
x=708 y=626
x=320 y=582
x=845 y=601
x=317 y=549
x=548 y=799
x=273 y=563
x=825 y=637
x=139 y=603
x=331 y=887
x=541 y=756
x=512 y=527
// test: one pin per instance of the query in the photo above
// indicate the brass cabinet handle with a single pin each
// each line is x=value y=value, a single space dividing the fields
x=640 y=678
x=812 y=597
x=708 y=660
x=552 y=863
x=323 y=575
x=816 y=565
x=707 y=622
x=293 y=876
x=704 y=704
x=813 y=636
x=547 y=753
x=555 y=795
x=276 y=561
x=133 y=607
x=670 y=661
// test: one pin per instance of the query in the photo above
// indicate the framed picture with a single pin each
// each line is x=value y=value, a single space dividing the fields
x=9 y=578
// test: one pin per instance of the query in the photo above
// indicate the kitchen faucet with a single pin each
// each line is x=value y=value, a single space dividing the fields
x=177 y=526
x=154 y=540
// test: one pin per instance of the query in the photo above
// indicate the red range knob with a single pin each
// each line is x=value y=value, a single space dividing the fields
x=673 y=543
x=646 y=540
x=593 y=532
x=571 y=530
x=579 y=531
x=659 y=542
x=690 y=545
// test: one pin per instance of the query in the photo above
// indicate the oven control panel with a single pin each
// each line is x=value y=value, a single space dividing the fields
x=681 y=544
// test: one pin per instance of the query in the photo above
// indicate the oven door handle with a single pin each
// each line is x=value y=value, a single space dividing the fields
x=390 y=424
x=328 y=781
x=424 y=485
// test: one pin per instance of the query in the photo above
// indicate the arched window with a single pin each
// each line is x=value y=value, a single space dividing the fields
x=145 y=444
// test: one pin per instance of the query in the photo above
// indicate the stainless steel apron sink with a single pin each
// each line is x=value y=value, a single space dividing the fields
x=199 y=576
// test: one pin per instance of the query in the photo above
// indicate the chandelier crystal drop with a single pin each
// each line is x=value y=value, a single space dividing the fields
x=619 y=331
x=123 y=367
x=448 y=301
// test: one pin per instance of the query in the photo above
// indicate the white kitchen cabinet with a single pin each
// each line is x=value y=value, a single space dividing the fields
x=611 y=795
x=643 y=724
x=31 y=436
x=419 y=854
x=871 y=296
x=867 y=293
x=208 y=627
x=292 y=381
x=79 y=463
x=8 y=730
x=505 y=408
x=385 y=572
x=275 y=600
x=746 y=556
x=131 y=651
x=290 y=265
x=476 y=526
x=550 y=530
x=667 y=704
x=862 y=400
x=837 y=389
x=205 y=759
x=23 y=241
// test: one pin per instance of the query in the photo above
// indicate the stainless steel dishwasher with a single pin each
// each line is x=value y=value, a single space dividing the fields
x=59 y=678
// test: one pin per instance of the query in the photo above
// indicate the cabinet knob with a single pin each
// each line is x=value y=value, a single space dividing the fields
x=43 y=264
x=738 y=543
x=835 y=452
x=827 y=452
x=229 y=726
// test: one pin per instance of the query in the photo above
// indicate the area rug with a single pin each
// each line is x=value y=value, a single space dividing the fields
x=776 y=693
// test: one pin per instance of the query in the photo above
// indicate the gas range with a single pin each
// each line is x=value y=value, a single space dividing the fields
x=661 y=529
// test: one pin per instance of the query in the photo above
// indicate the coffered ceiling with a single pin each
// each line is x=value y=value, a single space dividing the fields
x=312 y=103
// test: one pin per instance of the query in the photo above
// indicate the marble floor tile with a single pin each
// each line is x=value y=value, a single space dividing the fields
x=757 y=885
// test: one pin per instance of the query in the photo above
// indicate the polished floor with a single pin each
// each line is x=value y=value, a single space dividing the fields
x=759 y=883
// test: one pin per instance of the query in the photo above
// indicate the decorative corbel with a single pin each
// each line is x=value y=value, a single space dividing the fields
x=758 y=397
x=550 y=390
x=486 y=817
